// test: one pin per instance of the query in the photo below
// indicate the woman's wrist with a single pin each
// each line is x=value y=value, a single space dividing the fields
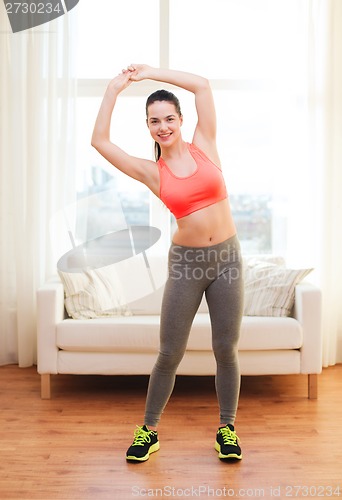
x=188 y=81
x=154 y=73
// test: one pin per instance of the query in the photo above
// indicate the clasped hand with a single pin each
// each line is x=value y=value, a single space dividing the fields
x=137 y=72
x=133 y=73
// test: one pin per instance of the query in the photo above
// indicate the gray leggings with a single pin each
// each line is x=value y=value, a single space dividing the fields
x=216 y=271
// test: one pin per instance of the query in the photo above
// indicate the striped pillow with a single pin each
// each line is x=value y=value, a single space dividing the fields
x=270 y=288
x=94 y=293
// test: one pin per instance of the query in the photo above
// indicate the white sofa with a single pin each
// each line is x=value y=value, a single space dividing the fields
x=128 y=345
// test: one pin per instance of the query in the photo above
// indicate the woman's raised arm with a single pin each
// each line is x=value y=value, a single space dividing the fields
x=142 y=170
x=205 y=131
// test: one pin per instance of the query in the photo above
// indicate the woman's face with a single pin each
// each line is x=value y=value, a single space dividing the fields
x=164 y=122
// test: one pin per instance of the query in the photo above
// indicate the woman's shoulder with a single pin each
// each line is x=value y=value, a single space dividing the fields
x=194 y=148
x=206 y=152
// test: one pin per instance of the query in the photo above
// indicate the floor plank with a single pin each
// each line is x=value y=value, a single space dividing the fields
x=72 y=447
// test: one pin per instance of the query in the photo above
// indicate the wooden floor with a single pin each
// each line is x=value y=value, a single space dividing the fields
x=73 y=446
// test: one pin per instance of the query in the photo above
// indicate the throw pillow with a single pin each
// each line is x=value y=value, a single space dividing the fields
x=124 y=288
x=270 y=288
x=94 y=293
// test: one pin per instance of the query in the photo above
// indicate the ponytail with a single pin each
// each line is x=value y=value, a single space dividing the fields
x=157 y=151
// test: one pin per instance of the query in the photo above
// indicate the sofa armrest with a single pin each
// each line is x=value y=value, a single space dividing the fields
x=50 y=311
x=307 y=310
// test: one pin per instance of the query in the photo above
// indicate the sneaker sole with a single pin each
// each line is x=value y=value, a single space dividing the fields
x=153 y=448
x=230 y=455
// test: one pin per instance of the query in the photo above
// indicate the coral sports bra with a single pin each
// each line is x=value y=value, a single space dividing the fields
x=185 y=195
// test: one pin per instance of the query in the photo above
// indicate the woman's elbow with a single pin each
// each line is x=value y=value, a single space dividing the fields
x=96 y=142
x=203 y=85
x=206 y=82
x=93 y=143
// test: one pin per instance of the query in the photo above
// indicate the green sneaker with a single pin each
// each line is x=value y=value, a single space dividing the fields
x=145 y=442
x=227 y=443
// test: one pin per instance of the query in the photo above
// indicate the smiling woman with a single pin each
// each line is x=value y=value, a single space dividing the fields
x=160 y=123
x=189 y=180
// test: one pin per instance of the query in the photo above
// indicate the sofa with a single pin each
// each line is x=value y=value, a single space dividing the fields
x=126 y=342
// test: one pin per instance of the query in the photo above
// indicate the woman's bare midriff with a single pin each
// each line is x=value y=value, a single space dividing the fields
x=208 y=226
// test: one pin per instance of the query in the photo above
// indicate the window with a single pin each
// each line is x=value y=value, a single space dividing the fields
x=252 y=52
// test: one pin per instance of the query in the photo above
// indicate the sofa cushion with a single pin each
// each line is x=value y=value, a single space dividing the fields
x=141 y=333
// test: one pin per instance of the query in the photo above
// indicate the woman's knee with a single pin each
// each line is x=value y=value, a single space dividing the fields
x=168 y=362
x=225 y=351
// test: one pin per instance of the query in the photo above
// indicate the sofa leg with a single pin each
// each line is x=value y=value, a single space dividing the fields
x=312 y=385
x=45 y=386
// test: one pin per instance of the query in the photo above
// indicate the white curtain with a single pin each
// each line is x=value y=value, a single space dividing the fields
x=37 y=96
x=316 y=215
x=325 y=160
x=326 y=78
